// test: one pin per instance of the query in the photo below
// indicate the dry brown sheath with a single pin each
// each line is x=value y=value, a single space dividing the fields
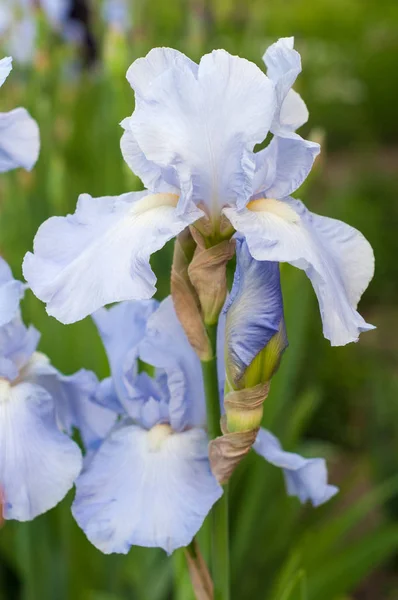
x=186 y=304
x=207 y=272
x=199 y=573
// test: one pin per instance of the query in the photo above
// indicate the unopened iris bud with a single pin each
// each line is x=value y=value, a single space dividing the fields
x=244 y=408
x=255 y=340
x=267 y=361
x=255 y=337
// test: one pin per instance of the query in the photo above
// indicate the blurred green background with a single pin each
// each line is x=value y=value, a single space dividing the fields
x=341 y=403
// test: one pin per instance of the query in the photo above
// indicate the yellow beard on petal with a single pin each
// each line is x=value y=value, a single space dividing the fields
x=276 y=207
x=4 y=390
x=155 y=201
x=158 y=435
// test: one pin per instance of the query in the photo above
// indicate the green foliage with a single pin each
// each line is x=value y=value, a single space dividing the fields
x=339 y=402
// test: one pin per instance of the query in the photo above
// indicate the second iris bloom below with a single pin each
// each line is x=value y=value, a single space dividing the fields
x=149 y=482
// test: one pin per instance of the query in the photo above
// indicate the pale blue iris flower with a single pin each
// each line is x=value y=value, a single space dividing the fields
x=38 y=461
x=19 y=133
x=150 y=482
x=305 y=478
x=191 y=140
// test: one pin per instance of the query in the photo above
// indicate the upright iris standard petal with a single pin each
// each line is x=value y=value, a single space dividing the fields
x=285 y=163
x=293 y=113
x=144 y=71
x=147 y=488
x=166 y=346
x=122 y=328
x=17 y=344
x=201 y=123
x=38 y=463
x=107 y=396
x=155 y=178
x=5 y=272
x=11 y=292
x=151 y=404
x=305 y=478
x=101 y=253
x=283 y=65
x=283 y=166
x=254 y=310
x=74 y=399
x=76 y=408
x=336 y=257
x=5 y=68
x=19 y=140
x=141 y=75
x=135 y=330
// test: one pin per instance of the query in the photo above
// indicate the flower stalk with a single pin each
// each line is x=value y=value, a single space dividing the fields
x=219 y=512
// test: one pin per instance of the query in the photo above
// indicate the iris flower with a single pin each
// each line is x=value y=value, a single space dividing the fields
x=191 y=140
x=149 y=483
x=38 y=407
x=19 y=133
x=11 y=292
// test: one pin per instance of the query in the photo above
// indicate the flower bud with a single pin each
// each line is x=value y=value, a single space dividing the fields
x=255 y=336
x=267 y=361
x=255 y=340
x=244 y=408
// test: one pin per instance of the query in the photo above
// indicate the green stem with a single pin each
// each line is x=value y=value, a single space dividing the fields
x=220 y=547
x=219 y=512
x=210 y=380
x=183 y=586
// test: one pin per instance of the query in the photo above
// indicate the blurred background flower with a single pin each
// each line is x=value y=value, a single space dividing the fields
x=340 y=403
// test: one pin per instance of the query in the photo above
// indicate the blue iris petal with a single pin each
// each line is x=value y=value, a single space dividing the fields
x=305 y=478
x=38 y=463
x=146 y=491
x=166 y=346
x=254 y=310
x=11 y=292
